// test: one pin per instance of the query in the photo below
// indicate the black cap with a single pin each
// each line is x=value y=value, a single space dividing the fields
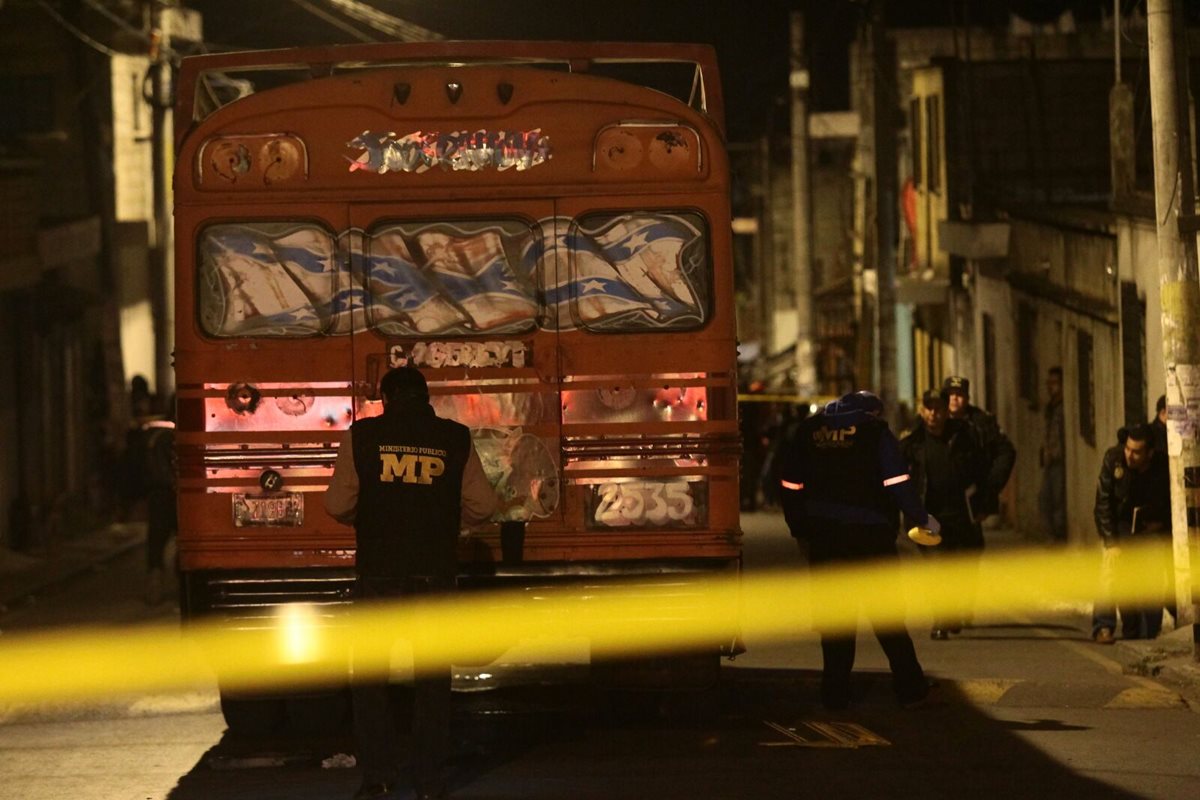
x=933 y=399
x=956 y=383
x=862 y=400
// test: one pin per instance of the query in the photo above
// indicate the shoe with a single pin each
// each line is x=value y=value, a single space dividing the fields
x=940 y=634
x=955 y=629
x=1104 y=636
x=374 y=791
x=924 y=697
x=413 y=794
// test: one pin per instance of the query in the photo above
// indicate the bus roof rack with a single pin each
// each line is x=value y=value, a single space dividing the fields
x=693 y=77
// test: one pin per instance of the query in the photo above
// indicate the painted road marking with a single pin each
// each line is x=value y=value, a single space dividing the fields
x=1151 y=694
x=841 y=735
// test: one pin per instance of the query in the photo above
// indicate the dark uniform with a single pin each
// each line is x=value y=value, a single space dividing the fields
x=1120 y=492
x=948 y=466
x=999 y=449
x=406 y=480
x=162 y=518
x=843 y=479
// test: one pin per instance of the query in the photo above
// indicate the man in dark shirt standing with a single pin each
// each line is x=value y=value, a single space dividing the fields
x=1052 y=498
x=1158 y=425
x=843 y=479
x=999 y=450
x=947 y=466
x=1133 y=504
x=406 y=480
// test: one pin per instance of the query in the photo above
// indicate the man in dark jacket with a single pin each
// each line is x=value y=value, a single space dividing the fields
x=406 y=480
x=842 y=480
x=1158 y=425
x=947 y=465
x=999 y=450
x=1133 y=504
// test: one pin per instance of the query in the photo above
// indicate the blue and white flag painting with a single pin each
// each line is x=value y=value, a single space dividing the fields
x=584 y=287
x=404 y=299
x=271 y=279
x=473 y=269
x=624 y=272
x=646 y=252
x=616 y=272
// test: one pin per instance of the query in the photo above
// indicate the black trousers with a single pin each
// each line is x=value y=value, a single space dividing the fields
x=839 y=543
x=161 y=524
x=962 y=539
x=375 y=731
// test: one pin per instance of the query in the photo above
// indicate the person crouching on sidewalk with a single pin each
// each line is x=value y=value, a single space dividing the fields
x=1133 y=503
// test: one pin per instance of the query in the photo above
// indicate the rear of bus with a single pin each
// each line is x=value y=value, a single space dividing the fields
x=547 y=243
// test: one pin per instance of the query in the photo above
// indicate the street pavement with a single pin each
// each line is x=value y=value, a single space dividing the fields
x=1026 y=707
x=26 y=576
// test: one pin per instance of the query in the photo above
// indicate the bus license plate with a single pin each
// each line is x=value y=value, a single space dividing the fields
x=275 y=509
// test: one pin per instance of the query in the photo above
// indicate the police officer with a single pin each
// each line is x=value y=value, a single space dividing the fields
x=842 y=482
x=948 y=465
x=1001 y=455
x=406 y=480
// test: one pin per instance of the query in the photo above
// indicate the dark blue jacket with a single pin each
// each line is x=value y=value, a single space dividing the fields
x=845 y=465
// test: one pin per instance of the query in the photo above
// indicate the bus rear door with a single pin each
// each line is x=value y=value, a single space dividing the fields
x=458 y=291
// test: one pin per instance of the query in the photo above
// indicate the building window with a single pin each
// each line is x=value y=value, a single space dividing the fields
x=933 y=127
x=1027 y=364
x=1133 y=352
x=1086 y=391
x=989 y=363
x=916 y=143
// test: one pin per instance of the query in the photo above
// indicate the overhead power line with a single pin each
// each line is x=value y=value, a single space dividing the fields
x=401 y=29
x=76 y=32
x=325 y=16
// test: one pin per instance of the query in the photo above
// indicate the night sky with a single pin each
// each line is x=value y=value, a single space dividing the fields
x=751 y=36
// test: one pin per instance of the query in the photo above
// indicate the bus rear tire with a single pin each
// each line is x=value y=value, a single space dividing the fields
x=319 y=712
x=252 y=716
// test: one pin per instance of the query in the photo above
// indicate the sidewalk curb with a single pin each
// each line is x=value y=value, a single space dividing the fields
x=132 y=707
x=989 y=692
x=1168 y=659
x=51 y=574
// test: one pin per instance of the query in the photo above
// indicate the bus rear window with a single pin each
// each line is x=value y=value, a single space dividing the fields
x=270 y=279
x=453 y=278
x=639 y=271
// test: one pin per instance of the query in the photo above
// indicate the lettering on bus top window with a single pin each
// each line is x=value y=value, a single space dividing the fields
x=638 y=271
x=270 y=279
x=452 y=277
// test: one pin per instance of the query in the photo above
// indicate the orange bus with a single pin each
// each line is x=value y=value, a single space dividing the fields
x=541 y=228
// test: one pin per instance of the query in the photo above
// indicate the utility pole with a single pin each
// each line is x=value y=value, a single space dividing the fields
x=883 y=64
x=806 y=368
x=161 y=256
x=1179 y=280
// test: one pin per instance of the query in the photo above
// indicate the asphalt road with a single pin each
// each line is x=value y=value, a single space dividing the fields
x=1026 y=707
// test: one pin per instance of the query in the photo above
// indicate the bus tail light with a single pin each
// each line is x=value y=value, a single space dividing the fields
x=669 y=149
x=252 y=162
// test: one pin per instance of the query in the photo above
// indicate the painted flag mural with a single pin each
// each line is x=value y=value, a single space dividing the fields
x=270 y=279
x=625 y=272
x=451 y=279
x=404 y=298
x=612 y=272
x=474 y=270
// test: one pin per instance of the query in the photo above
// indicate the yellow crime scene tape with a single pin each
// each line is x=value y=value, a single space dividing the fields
x=306 y=644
